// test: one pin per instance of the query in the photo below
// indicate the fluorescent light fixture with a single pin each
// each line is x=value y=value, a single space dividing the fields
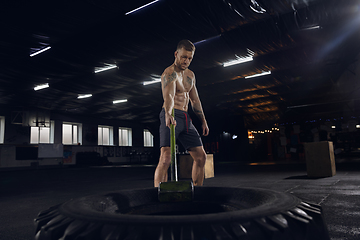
x=156 y=80
x=42 y=86
x=132 y=11
x=311 y=28
x=108 y=67
x=257 y=8
x=84 y=96
x=119 y=101
x=40 y=51
x=208 y=39
x=259 y=74
x=238 y=61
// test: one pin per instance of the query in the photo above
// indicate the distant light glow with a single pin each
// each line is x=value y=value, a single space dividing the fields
x=132 y=11
x=42 y=86
x=262 y=163
x=259 y=74
x=238 y=61
x=333 y=126
x=357 y=126
x=311 y=28
x=257 y=8
x=239 y=13
x=347 y=30
x=84 y=96
x=119 y=101
x=108 y=67
x=234 y=137
x=208 y=39
x=40 y=51
x=156 y=80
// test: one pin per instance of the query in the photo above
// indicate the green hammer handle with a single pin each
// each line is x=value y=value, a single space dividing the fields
x=173 y=164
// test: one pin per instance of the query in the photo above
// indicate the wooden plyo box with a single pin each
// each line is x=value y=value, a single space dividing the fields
x=320 y=159
x=185 y=163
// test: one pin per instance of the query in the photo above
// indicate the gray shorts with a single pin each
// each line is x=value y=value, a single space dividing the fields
x=185 y=131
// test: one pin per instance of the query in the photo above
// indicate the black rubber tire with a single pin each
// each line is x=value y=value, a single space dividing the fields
x=216 y=213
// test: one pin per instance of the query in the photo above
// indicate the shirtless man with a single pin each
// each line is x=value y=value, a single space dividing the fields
x=178 y=88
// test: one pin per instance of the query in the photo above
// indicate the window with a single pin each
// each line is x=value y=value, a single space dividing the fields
x=72 y=133
x=2 y=129
x=105 y=135
x=148 y=138
x=125 y=137
x=42 y=134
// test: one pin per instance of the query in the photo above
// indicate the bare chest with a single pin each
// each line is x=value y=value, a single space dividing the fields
x=184 y=84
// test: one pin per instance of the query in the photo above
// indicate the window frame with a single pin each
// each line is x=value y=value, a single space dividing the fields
x=78 y=130
x=111 y=135
x=2 y=129
x=129 y=137
x=38 y=130
x=151 y=144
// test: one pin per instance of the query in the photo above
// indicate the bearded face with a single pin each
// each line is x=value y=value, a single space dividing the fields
x=183 y=58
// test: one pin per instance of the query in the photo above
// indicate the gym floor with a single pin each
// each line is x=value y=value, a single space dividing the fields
x=26 y=192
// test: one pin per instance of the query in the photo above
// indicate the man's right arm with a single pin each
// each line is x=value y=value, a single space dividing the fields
x=168 y=84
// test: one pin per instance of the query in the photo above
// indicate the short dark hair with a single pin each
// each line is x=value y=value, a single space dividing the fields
x=186 y=44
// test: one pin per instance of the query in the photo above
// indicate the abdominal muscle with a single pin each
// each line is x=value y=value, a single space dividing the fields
x=181 y=101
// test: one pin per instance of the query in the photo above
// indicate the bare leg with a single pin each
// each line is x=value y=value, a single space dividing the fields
x=198 y=170
x=161 y=172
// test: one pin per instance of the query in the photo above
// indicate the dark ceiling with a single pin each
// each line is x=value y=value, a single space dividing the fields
x=305 y=63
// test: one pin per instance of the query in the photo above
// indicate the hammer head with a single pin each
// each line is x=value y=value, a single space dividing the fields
x=181 y=191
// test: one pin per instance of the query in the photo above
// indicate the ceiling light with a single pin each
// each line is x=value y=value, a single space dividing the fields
x=256 y=7
x=42 y=86
x=208 y=39
x=132 y=11
x=156 y=80
x=119 y=101
x=238 y=61
x=108 y=67
x=40 y=51
x=259 y=74
x=311 y=28
x=84 y=96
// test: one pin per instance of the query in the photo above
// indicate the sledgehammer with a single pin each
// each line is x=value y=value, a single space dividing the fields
x=175 y=190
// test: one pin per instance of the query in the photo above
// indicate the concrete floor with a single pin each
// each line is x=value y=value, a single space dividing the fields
x=24 y=193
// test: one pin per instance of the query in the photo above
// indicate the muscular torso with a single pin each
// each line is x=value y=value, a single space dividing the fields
x=184 y=83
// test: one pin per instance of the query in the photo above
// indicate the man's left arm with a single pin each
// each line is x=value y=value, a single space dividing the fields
x=197 y=108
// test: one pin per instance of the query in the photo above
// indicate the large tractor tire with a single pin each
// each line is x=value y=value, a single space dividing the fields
x=215 y=213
